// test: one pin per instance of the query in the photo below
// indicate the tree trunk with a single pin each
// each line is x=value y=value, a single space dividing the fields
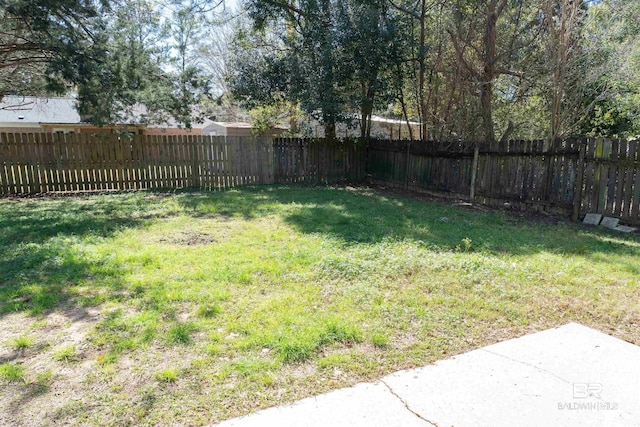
x=330 y=130
x=422 y=73
x=489 y=72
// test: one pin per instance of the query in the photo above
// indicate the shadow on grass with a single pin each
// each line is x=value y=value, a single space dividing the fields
x=364 y=217
x=41 y=253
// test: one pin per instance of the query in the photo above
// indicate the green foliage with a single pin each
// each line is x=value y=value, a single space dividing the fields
x=181 y=333
x=59 y=35
x=380 y=340
x=330 y=63
x=22 y=343
x=65 y=354
x=167 y=375
x=209 y=311
x=10 y=372
x=118 y=55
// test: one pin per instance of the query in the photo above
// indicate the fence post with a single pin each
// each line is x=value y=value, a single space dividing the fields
x=194 y=142
x=548 y=186
x=577 y=192
x=406 y=166
x=474 y=172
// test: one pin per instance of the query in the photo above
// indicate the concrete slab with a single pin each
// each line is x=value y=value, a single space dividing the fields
x=625 y=229
x=362 y=405
x=592 y=219
x=569 y=376
x=610 y=222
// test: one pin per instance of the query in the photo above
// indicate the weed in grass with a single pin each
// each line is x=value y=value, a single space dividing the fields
x=208 y=311
x=22 y=343
x=214 y=349
x=65 y=354
x=380 y=340
x=181 y=333
x=333 y=360
x=340 y=333
x=265 y=379
x=11 y=372
x=167 y=375
x=297 y=350
x=251 y=366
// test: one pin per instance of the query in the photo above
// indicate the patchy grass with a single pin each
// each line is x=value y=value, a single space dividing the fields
x=167 y=375
x=11 y=373
x=190 y=308
x=64 y=354
x=21 y=343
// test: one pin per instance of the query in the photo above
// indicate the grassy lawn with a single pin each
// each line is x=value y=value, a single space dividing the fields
x=153 y=308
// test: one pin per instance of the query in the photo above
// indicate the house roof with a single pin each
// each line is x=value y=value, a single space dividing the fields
x=378 y=119
x=172 y=123
x=237 y=125
x=28 y=109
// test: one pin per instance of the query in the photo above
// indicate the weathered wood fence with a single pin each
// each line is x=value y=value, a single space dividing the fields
x=573 y=176
x=576 y=175
x=45 y=162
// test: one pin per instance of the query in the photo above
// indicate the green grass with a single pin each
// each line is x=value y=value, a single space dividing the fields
x=10 y=372
x=64 y=354
x=167 y=375
x=22 y=343
x=181 y=333
x=260 y=296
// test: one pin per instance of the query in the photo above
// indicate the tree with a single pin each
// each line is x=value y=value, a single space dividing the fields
x=365 y=38
x=331 y=58
x=189 y=82
x=492 y=38
x=612 y=94
x=52 y=39
x=131 y=72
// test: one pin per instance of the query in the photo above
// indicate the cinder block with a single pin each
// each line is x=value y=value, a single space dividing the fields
x=610 y=222
x=625 y=229
x=592 y=219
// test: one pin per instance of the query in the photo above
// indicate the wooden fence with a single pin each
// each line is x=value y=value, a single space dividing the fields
x=577 y=175
x=43 y=162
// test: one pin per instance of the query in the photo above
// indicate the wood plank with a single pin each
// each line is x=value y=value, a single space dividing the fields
x=19 y=165
x=612 y=177
x=46 y=162
x=621 y=176
x=74 y=163
x=579 y=182
x=4 y=159
x=629 y=176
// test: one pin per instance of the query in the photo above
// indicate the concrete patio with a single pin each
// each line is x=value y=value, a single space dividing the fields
x=567 y=376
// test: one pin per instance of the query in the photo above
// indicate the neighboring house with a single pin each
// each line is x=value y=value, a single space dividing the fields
x=236 y=129
x=50 y=115
x=393 y=129
x=59 y=115
x=381 y=128
x=174 y=128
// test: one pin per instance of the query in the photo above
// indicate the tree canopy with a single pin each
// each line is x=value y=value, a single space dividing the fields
x=471 y=69
x=464 y=69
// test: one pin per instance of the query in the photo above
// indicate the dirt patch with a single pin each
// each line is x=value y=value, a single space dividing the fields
x=188 y=238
